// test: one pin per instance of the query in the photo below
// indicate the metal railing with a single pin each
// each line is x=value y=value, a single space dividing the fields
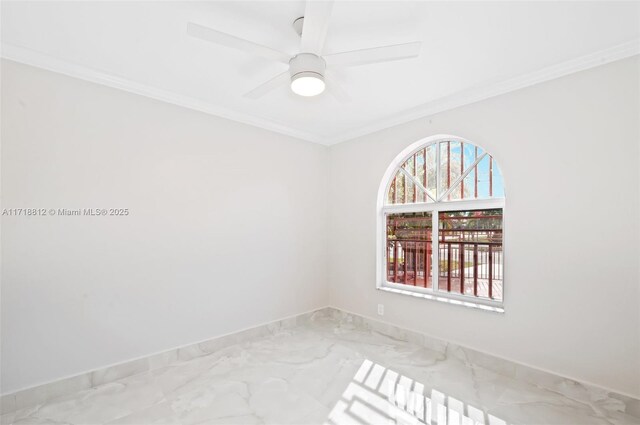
x=466 y=267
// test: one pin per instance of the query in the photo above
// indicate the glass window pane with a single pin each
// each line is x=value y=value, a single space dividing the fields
x=482 y=181
x=430 y=183
x=470 y=248
x=397 y=193
x=409 y=253
x=498 y=184
x=444 y=173
x=489 y=184
x=411 y=191
x=422 y=166
x=453 y=157
x=471 y=153
x=466 y=188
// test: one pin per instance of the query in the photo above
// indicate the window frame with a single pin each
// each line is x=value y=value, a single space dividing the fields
x=435 y=207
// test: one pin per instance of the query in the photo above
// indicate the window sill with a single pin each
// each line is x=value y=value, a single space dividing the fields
x=443 y=299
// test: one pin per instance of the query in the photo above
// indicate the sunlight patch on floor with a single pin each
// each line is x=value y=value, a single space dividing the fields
x=379 y=395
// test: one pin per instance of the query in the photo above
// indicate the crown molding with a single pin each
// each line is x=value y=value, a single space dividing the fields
x=496 y=88
x=41 y=60
x=465 y=97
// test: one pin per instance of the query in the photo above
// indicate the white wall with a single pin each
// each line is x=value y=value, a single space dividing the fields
x=569 y=153
x=227 y=226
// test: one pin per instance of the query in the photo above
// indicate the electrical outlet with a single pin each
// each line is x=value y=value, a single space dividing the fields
x=380 y=309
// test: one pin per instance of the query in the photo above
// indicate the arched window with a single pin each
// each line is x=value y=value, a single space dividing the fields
x=441 y=206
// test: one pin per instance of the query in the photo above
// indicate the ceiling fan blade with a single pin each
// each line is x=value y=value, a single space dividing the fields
x=336 y=89
x=374 y=55
x=228 y=40
x=264 y=88
x=315 y=24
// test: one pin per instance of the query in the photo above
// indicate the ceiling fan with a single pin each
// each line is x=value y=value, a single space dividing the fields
x=307 y=69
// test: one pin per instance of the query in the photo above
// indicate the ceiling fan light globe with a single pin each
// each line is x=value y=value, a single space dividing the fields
x=307 y=84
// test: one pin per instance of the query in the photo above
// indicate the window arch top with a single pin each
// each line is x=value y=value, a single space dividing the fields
x=445 y=170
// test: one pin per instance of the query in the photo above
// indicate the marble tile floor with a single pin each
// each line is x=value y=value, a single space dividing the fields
x=324 y=371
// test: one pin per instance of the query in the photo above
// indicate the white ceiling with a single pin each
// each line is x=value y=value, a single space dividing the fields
x=471 y=50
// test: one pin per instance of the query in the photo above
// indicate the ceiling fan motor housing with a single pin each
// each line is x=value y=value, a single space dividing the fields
x=307 y=65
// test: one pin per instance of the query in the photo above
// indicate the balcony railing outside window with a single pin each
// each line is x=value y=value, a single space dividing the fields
x=409 y=249
x=470 y=251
